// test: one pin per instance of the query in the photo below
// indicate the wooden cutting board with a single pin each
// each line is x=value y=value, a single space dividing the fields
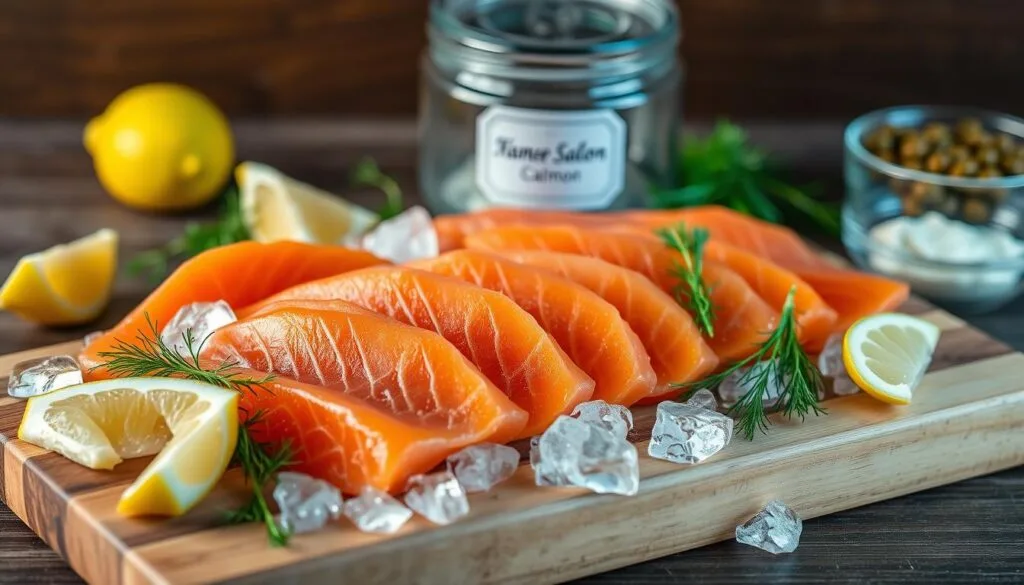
x=967 y=419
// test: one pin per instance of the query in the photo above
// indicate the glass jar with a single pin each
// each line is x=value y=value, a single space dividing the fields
x=548 y=104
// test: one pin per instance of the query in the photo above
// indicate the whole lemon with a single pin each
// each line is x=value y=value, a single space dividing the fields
x=161 y=147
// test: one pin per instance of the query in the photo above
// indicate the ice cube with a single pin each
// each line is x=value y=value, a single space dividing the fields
x=39 y=376
x=438 y=497
x=574 y=453
x=776 y=529
x=616 y=418
x=738 y=383
x=480 y=467
x=88 y=339
x=688 y=433
x=410 y=235
x=307 y=504
x=830 y=363
x=703 y=398
x=376 y=511
x=199 y=320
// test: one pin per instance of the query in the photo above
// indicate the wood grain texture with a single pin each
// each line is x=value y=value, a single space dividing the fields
x=746 y=58
x=965 y=421
x=970 y=531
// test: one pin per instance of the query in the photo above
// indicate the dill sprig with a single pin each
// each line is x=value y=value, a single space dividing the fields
x=151 y=356
x=366 y=173
x=783 y=363
x=227 y=228
x=260 y=467
x=691 y=292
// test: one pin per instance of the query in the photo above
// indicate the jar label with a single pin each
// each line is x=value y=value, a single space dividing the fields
x=543 y=158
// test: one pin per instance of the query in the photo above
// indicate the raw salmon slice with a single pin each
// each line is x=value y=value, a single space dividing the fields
x=855 y=295
x=504 y=341
x=678 y=354
x=852 y=294
x=453 y=229
x=345 y=440
x=743 y=320
x=585 y=326
x=240 y=274
x=439 y=402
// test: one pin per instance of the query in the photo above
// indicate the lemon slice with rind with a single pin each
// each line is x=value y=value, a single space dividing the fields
x=276 y=207
x=887 y=354
x=68 y=284
x=192 y=427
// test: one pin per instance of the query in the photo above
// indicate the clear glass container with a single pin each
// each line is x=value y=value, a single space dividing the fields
x=548 y=104
x=878 y=191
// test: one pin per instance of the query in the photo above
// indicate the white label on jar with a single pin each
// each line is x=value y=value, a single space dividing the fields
x=541 y=158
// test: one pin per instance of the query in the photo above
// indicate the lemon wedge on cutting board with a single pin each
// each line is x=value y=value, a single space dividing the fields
x=276 y=207
x=193 y=426
x=886 y=355
x=68 y=284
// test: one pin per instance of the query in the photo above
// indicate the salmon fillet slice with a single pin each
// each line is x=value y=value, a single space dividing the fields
x=505 y=342
x=411 y=397
x=743 y=320
x=240 y=274
x=585 y=326
x=678 y=354
x=453 y=229
x=343 y=439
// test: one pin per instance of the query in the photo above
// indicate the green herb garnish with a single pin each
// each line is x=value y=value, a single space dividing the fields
x=228 y=228
x=366 y=173
x=150 y=356
x=725 y=169
x=691 y=292
x=783 y=362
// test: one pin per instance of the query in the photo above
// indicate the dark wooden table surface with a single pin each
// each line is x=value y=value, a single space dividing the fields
x=972 y=531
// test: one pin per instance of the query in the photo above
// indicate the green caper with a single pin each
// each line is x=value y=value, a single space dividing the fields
x=959 y=152
x=880 y=139
x=938 y=134
x=912 y=146
x=937 y=161
x=1013 y=165
x=989 y=172
x=912 y=163
x=987 y=155
x=1005 y=143
x=969 y=130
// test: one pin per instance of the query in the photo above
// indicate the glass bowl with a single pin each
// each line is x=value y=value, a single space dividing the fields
x=878 y=191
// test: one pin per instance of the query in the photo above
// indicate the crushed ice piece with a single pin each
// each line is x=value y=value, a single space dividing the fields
x=306 y=504
x=376 y=511
x=616 y=418
x=88 y=339
x=410 y=235
x=574 y=453
x=776 y=529
x=201 y=319
x=735 y=386
x=483 y=466
x=703 y=398
x=438 y=497
x=830 y=363
x=688 y=433
x=39 y=376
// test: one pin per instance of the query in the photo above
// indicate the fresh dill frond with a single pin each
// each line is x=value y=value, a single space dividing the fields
x=151 y=356
x=366 y=173
x=260 y=463
x=691 y=292
x=781 y=361
x=227 y=228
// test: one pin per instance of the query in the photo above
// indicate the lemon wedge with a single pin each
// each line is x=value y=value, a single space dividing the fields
x=887 y=354
x=276 y=207
x=68 y=284
x=193 y=426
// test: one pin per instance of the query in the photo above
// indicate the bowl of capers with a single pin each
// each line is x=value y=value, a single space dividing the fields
x=935 y=196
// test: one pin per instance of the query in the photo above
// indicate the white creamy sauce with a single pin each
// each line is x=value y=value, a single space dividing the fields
x=934 y=237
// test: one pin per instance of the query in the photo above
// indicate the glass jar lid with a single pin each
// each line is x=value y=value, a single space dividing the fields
x=557 y=39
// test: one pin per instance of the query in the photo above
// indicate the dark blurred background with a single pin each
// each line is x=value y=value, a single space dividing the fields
x=780 y=59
